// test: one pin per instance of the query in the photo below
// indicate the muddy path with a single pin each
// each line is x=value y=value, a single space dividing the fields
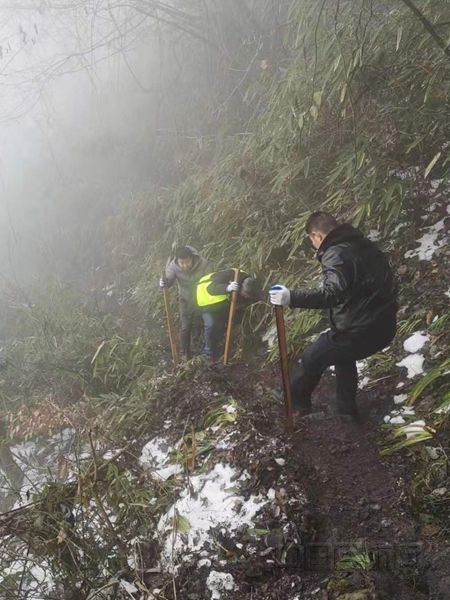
x=359 y=503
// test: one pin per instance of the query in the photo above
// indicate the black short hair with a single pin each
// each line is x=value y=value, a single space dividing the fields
x=183 y=252
x=251 y=288
x=320 y=221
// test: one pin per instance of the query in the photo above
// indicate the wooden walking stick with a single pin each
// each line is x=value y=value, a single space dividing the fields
x=282 y=346
x=170 y=327
x=234 y=297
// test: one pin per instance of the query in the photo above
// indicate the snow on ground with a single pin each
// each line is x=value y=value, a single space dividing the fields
x=429 y=242
x=414 y=361
x=400 y=398
x=414 y=364
x=155 y=456
x=39 y=461
x=398 y=416
x=219 y=582
x=361 y=365
x=416 y=341
x=208 y=502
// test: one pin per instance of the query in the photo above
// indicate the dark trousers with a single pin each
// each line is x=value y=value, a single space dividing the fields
x=341 y=349
x=187 y=320
x=214 y=323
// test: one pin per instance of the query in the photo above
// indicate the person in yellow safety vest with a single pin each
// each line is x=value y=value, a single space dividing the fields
x=213 y=294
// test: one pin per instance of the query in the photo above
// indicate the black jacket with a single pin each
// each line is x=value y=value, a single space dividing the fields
x=358 y=284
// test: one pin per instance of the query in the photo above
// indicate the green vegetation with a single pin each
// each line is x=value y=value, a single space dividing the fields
x=349 y=112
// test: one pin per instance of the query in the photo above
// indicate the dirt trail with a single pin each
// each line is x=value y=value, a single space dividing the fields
x=357 y=500
x=333 y=496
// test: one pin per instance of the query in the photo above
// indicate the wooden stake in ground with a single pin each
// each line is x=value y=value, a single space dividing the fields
x=170 y=327
x=234 y=297
x=282 y=346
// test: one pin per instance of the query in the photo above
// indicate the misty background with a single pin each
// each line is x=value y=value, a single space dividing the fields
x=94 y=109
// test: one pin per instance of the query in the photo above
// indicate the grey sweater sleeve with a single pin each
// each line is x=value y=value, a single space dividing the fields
x=171 y=273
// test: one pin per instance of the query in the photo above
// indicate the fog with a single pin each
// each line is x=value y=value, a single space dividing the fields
x=77 y=131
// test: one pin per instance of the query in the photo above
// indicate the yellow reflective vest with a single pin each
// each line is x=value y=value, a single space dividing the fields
x=203 y=297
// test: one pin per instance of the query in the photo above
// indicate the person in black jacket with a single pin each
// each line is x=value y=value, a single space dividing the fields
x=213 y=296
x=359 y=291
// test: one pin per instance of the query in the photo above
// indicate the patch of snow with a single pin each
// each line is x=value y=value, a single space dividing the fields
x=363 y=382
x=400 y=398
x=414 y=364
x=271 y=494
x=219 y=582
x=447 y=293
x=207 y=503
x=226 y=442
x=168 y=471
x=155 y=454
x=361 y=365
x=400 y=384
x=429 y=242
x=399 y=420
x=374 y=235
x=416 y=341
x=204 y=562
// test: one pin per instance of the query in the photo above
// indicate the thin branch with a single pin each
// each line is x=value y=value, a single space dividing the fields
x=428 y=26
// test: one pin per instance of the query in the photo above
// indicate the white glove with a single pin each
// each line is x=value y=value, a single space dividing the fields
x=233 y=286
x=279 y=295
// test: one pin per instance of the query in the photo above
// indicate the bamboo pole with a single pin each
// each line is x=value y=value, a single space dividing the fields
x=234 y=297
x=282 y=346
x=170 y=327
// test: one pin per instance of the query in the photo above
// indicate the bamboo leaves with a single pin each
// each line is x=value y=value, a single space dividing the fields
x=432 y=163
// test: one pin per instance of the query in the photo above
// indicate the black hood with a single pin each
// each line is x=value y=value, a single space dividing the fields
x=342 y=233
